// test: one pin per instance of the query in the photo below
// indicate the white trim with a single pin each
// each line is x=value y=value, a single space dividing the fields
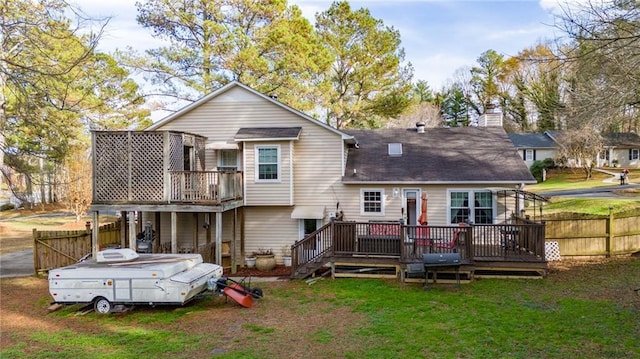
x=244 y=177
x=382 y=199
x=471 y=206
x=301 y=228
x=418 y=201
x=291 y=182
x=257 y=149
x=528 y=154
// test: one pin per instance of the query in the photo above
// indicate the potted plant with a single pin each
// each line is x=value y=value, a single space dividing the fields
x=265 y=260
x=251 y=260
x=286 y=255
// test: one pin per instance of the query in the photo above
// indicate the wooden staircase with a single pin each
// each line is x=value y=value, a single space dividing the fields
x=309 y=269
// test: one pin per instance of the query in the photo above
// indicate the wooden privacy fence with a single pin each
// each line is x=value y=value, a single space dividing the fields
x=54 y=249
x=615 y=234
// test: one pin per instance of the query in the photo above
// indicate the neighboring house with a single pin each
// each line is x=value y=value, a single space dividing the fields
x=239 y=171
x=534 y=146
x=620 y=150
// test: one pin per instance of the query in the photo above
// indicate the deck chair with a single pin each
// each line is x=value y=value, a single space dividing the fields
x=452 y=245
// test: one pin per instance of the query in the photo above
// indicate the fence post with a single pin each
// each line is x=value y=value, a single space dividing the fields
x=36 y=263
x=609 y=233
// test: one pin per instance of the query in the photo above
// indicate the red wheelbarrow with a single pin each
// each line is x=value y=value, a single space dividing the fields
x=240 y=292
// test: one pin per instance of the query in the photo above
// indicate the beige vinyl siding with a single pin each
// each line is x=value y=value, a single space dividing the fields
x=317 y=165
x=186 y=227
x=268 y=193
x=269 y=228
x=437 y=202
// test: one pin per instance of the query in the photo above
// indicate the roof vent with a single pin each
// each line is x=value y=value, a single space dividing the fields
x=420 y=126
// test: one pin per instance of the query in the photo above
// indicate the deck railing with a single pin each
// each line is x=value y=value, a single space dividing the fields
x=205 y=186
x=524 y=241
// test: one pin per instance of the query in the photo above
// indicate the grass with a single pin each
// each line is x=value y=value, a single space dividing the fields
x=585 y=312
x=559 y=180
x=574 y=178
x=16 y=226
x=590 y=206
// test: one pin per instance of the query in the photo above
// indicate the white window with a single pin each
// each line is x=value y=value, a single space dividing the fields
x=267 y=163
x=227 y=160
x=634 y=154
x=372 y=201
x=529 y=155
x=471 y=206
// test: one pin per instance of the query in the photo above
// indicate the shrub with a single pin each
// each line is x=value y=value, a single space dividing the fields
x=7 y=207
x=538 y=167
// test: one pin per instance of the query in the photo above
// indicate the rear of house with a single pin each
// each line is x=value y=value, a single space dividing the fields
x=238 y=171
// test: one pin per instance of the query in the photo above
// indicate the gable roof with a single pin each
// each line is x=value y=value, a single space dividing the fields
x=532 y=140
x=203 y=100
x=440 y=155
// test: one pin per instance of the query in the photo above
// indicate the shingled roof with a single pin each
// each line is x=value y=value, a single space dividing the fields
x=440 y=155
x=625 y=139
x=532 y=140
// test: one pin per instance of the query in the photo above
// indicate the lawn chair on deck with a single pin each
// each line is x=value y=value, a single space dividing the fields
x=452 y=245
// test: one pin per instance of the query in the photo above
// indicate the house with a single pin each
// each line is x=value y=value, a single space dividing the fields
x=534 y=146
x=620 y=150
x=238 y=171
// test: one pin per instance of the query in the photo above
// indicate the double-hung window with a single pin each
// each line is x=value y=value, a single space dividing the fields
x=634 y=154
x=227 y=160
x=267 y=163
x=372 y=201
x=471 y=206
x=529 y=155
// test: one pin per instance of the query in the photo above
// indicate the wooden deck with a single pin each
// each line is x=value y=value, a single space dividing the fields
x=388 y=249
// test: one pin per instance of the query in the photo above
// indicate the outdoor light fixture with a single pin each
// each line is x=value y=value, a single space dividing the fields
x=396 y=192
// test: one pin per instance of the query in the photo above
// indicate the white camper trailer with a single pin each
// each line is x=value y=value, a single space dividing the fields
x=122 y=276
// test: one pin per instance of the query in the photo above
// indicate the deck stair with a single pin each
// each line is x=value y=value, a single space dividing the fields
x=309 y=269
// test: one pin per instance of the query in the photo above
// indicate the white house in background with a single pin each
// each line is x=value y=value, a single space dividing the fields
x=534 y=146
x=620 y=150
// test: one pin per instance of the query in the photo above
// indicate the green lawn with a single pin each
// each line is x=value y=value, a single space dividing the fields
x=568 y=179
x=585 y=312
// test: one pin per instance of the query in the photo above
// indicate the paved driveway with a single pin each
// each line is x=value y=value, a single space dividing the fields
x=18 y=264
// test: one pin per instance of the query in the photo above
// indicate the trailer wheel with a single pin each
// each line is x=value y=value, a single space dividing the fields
x=102 y=305
x=256 y=292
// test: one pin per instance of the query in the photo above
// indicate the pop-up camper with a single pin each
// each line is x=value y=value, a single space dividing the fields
x=122 y=276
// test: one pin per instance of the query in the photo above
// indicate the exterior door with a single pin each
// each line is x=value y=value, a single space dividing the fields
x=411 y=205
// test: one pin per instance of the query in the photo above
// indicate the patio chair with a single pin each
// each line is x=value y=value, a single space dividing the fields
x=452 y=245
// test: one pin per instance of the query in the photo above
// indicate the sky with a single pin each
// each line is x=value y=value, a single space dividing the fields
x=438 y=36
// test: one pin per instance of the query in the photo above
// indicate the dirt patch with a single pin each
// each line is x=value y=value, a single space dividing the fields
x=222 y=325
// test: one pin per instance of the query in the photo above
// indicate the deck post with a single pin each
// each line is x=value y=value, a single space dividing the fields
x=609 y=233
x=132 y=229
x=174 y=232
x=219 y=238
x=95 y=246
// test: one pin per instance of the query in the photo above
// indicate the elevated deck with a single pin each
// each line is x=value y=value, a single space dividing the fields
x=390 y=250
